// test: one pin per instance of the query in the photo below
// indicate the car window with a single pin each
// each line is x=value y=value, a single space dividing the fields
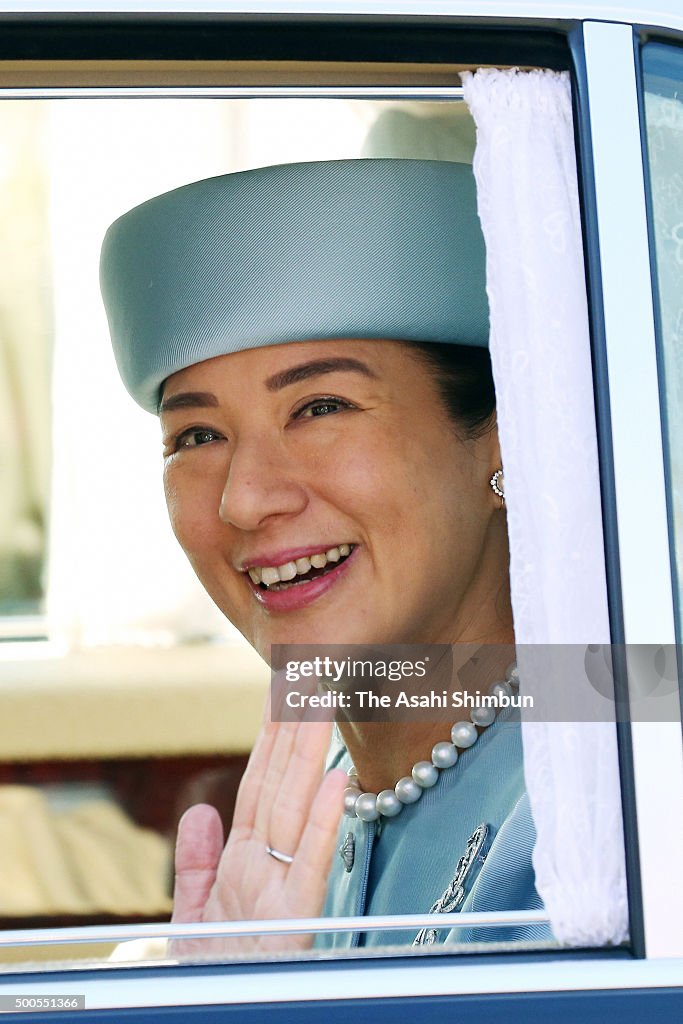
x=142 y=699
x=663 y=110
x=147 y=700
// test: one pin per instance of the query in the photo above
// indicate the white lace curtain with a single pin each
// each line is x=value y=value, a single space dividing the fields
x=528 y=204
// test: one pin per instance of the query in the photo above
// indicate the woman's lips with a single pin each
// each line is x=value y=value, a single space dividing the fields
x=301 y=594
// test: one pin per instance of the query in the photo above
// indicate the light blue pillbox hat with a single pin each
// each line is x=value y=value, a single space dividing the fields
x=297 y=252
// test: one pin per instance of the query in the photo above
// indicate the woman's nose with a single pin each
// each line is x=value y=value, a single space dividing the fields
x=259 y=485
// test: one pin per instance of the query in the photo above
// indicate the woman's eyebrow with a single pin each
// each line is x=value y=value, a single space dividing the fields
x=314 y=368
x=189 y=400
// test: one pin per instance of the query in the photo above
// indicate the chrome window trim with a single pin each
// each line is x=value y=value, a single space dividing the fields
x=285 y=926
x=639 y=465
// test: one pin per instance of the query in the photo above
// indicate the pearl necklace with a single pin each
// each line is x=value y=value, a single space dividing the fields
x=409 y=789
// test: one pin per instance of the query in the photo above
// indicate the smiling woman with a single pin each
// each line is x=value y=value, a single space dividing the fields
x=313 y=337
x=348 y=461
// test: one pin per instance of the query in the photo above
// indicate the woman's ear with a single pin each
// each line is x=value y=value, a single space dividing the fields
x=496 y=460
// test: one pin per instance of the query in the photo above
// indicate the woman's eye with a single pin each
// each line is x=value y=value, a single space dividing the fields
x=194 y=437
x=322 y=407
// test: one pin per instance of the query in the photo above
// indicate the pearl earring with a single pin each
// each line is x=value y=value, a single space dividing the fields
x=497 y=484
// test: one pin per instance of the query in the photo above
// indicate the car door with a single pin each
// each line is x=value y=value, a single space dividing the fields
x=403 y=60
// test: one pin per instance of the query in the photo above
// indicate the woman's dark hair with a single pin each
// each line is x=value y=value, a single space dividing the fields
x=463 y=376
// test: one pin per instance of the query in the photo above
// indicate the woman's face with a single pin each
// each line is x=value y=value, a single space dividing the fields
x=333 y=469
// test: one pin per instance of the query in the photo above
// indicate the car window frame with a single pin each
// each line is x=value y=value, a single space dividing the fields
x=383 y=979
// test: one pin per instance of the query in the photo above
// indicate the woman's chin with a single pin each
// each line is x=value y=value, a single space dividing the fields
x=319 y=632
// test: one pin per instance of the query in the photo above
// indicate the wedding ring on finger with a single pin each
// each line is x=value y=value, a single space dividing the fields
x=283 y=858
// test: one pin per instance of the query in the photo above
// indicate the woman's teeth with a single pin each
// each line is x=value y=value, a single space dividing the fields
x=275 y=575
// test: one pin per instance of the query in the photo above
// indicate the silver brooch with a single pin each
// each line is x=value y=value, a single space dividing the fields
x=347 y=850
x=453 y=897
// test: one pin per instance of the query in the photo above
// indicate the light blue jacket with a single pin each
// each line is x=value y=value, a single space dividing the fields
x=403 y=865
